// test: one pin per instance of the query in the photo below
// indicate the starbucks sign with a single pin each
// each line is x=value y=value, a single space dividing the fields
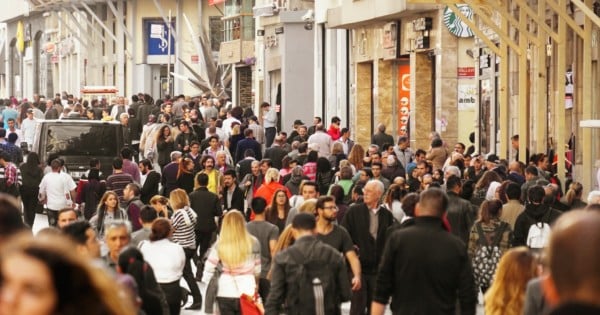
x=455 y=24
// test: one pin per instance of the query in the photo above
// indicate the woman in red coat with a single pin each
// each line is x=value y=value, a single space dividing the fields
x=270 y=186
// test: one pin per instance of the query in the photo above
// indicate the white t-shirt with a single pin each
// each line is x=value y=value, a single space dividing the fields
x=56 y=187
x=166 y=258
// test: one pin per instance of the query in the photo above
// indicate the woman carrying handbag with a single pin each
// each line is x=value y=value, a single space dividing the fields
x=236 y=257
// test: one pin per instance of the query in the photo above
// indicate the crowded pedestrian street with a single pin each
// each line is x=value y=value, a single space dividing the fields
x=295 y=157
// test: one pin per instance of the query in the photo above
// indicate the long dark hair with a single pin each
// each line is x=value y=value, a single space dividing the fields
x=131 y=262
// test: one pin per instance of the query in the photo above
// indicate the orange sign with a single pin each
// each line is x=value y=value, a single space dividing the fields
x=404 y=99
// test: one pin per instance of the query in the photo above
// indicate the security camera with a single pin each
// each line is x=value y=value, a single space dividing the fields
x=309 y=16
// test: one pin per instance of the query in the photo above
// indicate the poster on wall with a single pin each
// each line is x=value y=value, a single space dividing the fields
x=404 y=100
x=467 y=96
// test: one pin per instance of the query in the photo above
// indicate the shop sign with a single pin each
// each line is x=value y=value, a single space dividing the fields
x=466 y=72
x=455 y=24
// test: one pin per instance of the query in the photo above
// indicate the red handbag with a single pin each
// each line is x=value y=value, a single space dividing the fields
x=248 y=305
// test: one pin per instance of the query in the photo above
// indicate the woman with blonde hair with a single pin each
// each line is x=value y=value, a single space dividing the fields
x=184 y=220
x=238 y=253
x=506 y=296
x=270 y=186
x=573 y=196
x=45 y=276
x=161 y=206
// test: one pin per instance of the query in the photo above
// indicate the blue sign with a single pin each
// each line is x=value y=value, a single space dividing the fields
x=157 y=34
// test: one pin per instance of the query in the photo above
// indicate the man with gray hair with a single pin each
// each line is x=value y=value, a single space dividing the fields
x=367 y=222
x=321 y=139
x=380 y=138
x=117 y=235
x=593 y=197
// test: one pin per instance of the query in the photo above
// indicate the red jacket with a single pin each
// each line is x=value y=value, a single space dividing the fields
x=334 y=132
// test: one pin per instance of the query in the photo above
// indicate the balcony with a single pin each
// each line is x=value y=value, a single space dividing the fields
x=236 y=51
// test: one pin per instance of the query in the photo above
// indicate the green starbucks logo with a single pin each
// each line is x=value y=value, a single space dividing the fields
x=455 y=24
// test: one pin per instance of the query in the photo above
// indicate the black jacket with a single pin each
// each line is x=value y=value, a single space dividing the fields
x=356 y=221
x=460 y=214
x=237 y=199
x=243 y=145
x=206 y=204
x=425 y=270
x=532 y=214
x=285 y=274
x=150 y=188
x=276 y=153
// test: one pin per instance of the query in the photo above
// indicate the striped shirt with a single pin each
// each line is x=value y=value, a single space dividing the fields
x=184 y=221
x=117 y=182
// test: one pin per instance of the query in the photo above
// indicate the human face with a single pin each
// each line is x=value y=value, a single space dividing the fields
x=11 y=124
x=221 y=159
x=195 y=148
x=92 y=244
x=422 y=170
x=111 y=202
x=127 y=194
x=376 y=157
x=403 y=145
x=228 y=180
x=29 y=115
x=255 y=168
x=302 y=131
x=264 y=167
x=458 y=148
x=209 y=164
x=477 y=164
x=281 y=198
x=376 y=169
x=363 y=176
x=213 y=143
x=27 y=287
x=371 y=194
x=66 y=218
x=316 y=121
x=168 y=109
x=514 y=144
x=166 y=131
x=183 y=128
x=116 y=239
x=329 y=211
x=309 y=192
x=142 y=169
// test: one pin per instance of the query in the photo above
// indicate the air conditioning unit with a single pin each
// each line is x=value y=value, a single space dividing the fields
x=266 y=10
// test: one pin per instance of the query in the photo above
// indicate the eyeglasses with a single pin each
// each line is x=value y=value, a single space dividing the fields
x=332 y=208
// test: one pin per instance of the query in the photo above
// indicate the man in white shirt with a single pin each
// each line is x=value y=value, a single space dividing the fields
x=28 y=128
x=57 y=191
x=269 y=118
x=322 y=139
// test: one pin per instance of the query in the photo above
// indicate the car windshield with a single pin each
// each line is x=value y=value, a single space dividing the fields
x=95 y=140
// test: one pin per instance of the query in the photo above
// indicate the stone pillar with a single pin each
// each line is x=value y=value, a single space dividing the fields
x=245 y=86
x=447 y=88
x=422 y=111
x=364 y=103
x=384 y=111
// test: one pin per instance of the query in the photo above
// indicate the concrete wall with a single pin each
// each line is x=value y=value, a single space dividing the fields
x=297 y=74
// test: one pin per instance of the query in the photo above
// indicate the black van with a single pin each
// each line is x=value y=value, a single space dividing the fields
x=77 y=141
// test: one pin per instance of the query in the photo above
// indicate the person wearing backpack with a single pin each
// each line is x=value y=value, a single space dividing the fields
x=490 y=238
x=309 y=277
x=532 y=227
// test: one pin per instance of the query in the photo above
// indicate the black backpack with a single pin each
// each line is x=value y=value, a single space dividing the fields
x=316 y=289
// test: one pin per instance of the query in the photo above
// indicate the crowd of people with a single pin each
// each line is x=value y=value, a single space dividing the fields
x=297 y=222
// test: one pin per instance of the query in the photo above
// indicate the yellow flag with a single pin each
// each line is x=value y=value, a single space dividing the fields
x=20 y=37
